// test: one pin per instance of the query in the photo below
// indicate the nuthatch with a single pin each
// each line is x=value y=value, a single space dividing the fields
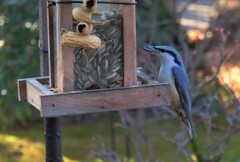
x=172 y=71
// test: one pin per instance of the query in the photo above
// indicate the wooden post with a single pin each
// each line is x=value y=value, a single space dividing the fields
x=129 y=27
x=65 y=54
x=130 y=62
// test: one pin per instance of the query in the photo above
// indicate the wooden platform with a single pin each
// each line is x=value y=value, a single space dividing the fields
x=35 y=91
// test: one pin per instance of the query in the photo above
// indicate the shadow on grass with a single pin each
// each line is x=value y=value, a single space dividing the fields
x=15 y=149
x=79 y=139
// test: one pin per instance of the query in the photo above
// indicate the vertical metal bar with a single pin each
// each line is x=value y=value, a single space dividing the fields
x=51 y=43
x=43 y=38
x=52 y=125
x=53 y=140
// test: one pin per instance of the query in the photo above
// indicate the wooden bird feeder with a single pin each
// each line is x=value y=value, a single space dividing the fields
x=92 y=62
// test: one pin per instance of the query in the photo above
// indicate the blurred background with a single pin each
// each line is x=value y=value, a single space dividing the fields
x=207 y=34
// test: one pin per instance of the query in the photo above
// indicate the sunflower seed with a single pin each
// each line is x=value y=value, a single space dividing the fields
x=114 y=85
x=101 y=49
x=95 y=75
x=115 y=67
x=91 y=79
x=84 y=59
x=100 y=59
x=95 y=62
x=109 y=48
x=77 y=68
x=111 y=31
x=110 y=75
x=102 y=81
x=87 y=85
x=91 y=56
x=120 y=82
x=114 y=78
x=118 y=42
x=105 y=71
x=119 y=54
x=84 y=77
x=99 y=71
x=115 y=34
x=120 y=79
x=88 y=68
x=80 y=80
x=112 y=60
x=119 y=60
x=117 y=49
x=104 y=64
x=78 y=86
x=106 y=54
x=104 y=37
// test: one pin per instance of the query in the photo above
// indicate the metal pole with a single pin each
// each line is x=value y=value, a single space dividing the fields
x=53 y=140
x=52 y=126
x=43 y=43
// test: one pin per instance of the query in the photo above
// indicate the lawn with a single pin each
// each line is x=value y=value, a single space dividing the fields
x=27 y=143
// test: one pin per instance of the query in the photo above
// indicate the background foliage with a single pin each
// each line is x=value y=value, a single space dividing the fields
x=19 y=56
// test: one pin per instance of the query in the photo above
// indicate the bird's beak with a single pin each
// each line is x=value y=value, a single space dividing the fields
x=149 y=47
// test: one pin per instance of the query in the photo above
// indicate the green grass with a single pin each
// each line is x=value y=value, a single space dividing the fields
x=78 y=140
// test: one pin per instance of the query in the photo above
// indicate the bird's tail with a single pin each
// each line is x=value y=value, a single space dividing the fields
x=186 y=119
x=189 y=126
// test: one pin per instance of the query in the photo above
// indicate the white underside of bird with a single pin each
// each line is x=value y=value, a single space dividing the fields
x=164 y=76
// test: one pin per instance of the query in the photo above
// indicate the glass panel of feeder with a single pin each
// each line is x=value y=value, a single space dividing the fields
x=103 y=7
x=102 y=67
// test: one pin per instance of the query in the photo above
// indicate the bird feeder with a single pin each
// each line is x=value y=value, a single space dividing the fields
x=92 y=62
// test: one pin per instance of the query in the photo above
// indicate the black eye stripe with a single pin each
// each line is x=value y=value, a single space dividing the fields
x=172 y=54
x=168 y=51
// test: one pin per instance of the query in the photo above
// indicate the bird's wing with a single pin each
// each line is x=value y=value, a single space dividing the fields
x=182 y=85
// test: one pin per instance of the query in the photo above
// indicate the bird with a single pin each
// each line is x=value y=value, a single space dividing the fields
x=172 y=71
